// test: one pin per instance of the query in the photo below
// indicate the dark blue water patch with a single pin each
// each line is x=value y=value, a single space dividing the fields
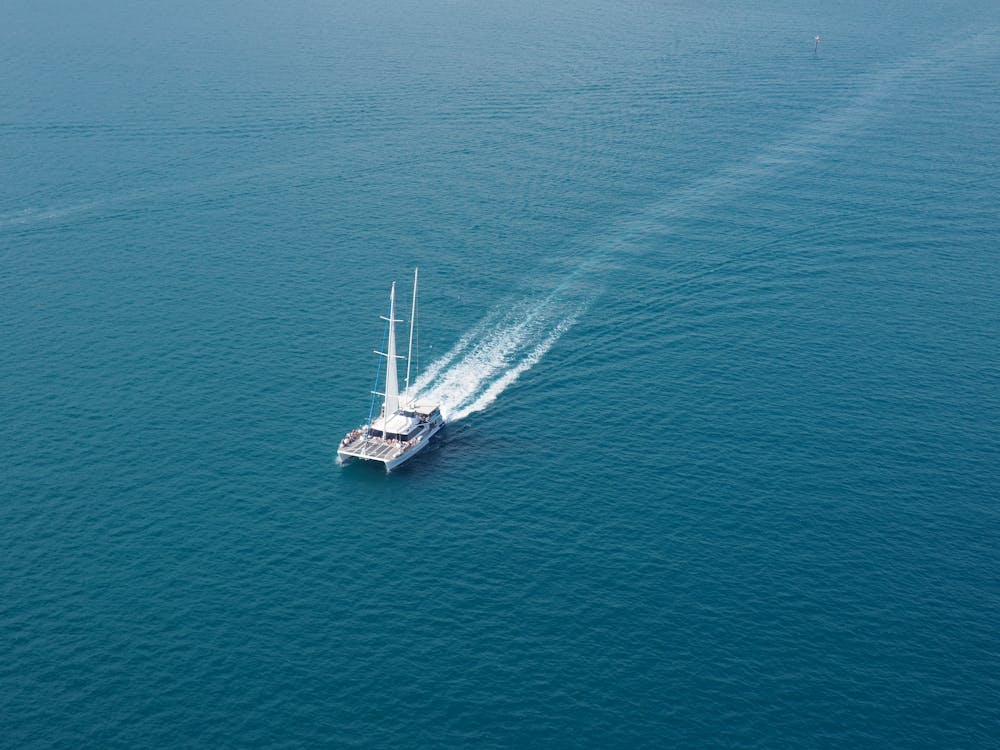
x=715 y=311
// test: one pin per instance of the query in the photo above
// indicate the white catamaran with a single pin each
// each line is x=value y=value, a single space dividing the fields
x=405 y=424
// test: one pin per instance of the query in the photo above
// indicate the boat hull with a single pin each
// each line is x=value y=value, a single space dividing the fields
x=386 y=453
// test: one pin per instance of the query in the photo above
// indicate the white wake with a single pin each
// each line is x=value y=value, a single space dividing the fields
x=515 y=337
x=488 y=359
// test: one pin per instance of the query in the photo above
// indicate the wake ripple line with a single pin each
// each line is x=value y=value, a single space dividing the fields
x=487 y=360
x=498 y=386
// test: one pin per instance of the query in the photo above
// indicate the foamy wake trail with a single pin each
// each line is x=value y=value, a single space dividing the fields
x=485 y=362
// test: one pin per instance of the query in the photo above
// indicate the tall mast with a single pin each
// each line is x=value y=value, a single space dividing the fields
x=391 y=404
x=409 y=352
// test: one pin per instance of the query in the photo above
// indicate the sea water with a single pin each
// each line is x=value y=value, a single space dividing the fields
x=713 y=310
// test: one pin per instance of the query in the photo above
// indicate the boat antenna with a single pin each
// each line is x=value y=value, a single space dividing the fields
x=409 y=353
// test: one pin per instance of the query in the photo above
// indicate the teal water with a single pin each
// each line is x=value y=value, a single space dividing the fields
x=715 y=315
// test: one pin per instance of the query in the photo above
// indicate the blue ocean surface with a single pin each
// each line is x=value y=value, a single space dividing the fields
x=713 y=309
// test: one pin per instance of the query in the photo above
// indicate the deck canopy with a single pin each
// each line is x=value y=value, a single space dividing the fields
x=423 y=408
x=397 y=424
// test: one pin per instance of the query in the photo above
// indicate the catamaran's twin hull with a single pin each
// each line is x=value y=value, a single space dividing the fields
x=405 y=424
x=390 y=453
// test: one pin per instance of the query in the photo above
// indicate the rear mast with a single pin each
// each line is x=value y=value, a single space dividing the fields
x=409 y=352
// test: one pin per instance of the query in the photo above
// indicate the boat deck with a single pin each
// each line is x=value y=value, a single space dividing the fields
x=372 y=449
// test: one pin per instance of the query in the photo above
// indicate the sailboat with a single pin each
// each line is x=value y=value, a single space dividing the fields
x=405 y=423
